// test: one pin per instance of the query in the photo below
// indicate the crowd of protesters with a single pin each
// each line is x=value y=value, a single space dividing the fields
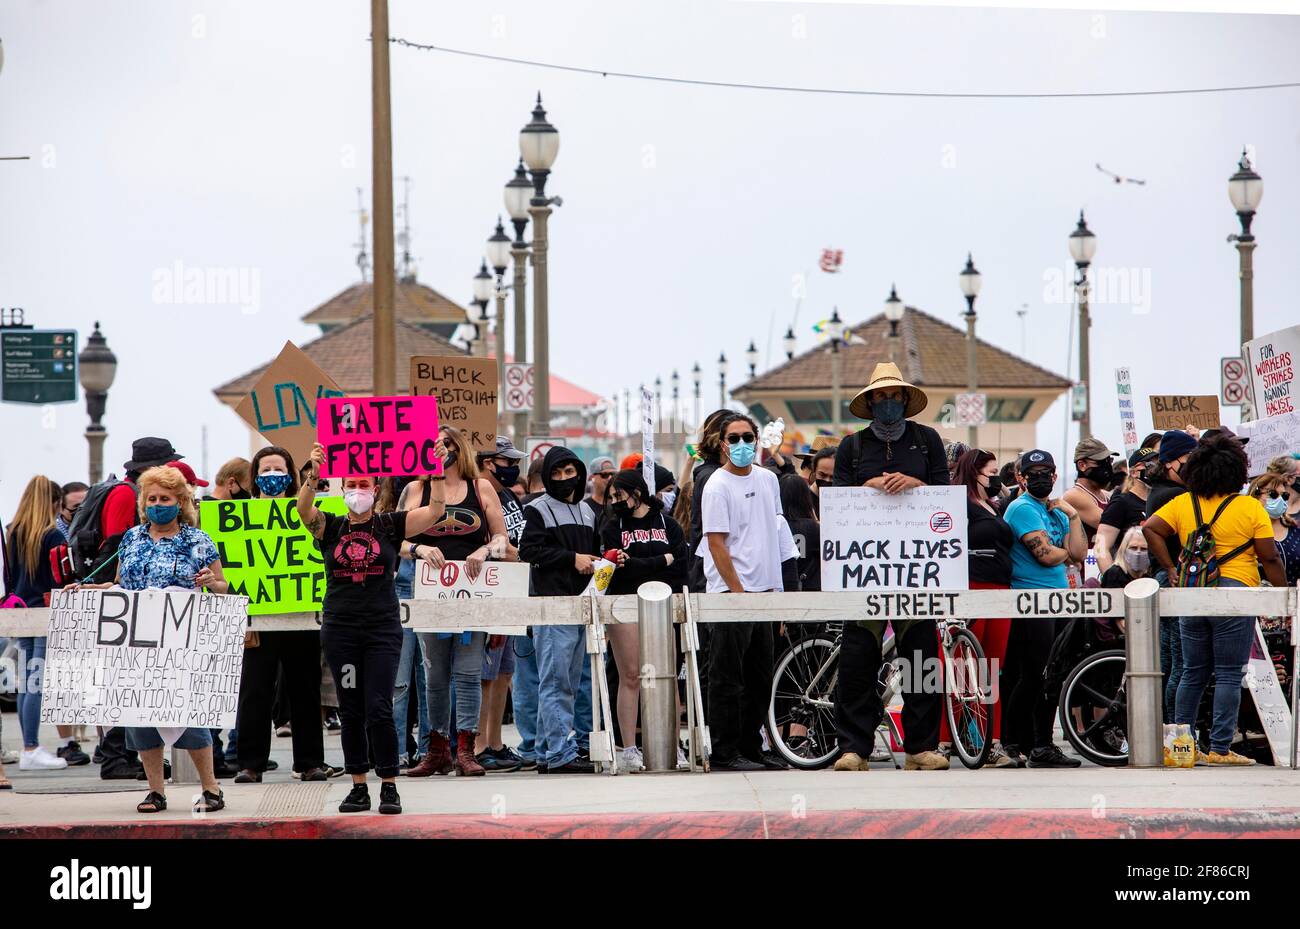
x=742 y=520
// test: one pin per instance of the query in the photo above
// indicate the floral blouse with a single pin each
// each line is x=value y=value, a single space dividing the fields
x=144 y=563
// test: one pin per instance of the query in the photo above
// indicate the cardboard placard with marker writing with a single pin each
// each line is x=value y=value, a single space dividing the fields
x=466 y=389
x=1178 y=411
x=282 y=404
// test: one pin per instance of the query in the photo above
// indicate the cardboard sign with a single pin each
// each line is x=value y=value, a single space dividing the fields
x=1269 y=439
x=875 y=540
x=1270 y=365
x=1127 y=415
x=167 y=658
x=1176 y=411
x=282 y=404
x=497 y=579
x=466 y=390
x=378 y=436
x=267 y=554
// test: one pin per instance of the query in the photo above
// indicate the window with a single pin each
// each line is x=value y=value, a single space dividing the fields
x=810 y=411
x=760 y=413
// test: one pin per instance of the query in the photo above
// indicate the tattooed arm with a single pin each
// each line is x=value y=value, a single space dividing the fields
x=311 y=517
x=1041 y=547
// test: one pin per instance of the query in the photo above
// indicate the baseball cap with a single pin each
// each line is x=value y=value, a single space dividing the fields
x=1224 y=430
x=1175 y=444
x=602 y=463
x=505 y=449
x=188 y=472
x=1093 y=449
x=1142 y=456
x=1036 y=458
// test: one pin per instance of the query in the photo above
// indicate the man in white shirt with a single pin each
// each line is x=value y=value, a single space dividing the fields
x=741 y=516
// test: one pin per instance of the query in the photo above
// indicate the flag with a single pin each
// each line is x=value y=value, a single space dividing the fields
x=831 y=260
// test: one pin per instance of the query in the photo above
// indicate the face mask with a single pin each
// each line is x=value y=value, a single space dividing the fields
x=240 y=494
x=887 y=411
x=359 y=501
x=622 y=508
x=507 y=476
x=1100 y=474
x=449 y=460
x=1276 y=507
x=995 y=486
x=742 y=454
x=1117 y=480
x=821 y=482
x=567 y=488
x=272 y=483
x=1137 y=561
x=669 y=497
x=1039 y=485
x=161 y=515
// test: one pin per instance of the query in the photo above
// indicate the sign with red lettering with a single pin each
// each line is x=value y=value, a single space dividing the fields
x=452 y=582
x=378 y=436
x=466 y=389
x=1270 y=366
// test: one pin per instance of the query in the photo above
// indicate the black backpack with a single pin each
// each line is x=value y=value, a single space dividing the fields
x=89 y=551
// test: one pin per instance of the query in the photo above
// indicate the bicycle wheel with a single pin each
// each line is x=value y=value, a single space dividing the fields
x=970 y=713
x=1094 y=709
x=801 y=711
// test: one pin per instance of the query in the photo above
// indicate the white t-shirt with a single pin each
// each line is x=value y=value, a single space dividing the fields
x=748 y=509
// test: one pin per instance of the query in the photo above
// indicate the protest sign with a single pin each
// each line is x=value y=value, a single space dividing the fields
x=648 y=438
x=875 y=540
x=166 y=658
x=267 y=554
x=451 y=581
x=1260 y=680
x=466 y=389
x=378 y=436
x=1270 y=438
x=1176 y=411
x=1127 y=417
x=1270 y=365
x=282 y=404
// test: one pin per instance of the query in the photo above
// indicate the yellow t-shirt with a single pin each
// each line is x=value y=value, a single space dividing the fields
x=1242 y=520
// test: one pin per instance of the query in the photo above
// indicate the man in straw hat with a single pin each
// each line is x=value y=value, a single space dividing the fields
x=892 y=454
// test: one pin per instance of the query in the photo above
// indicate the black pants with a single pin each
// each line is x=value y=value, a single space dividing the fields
x=858 y=707
x=740 y=678
x=1028 y=709
x=298 y=653
x=116 y=755
x=363 y=659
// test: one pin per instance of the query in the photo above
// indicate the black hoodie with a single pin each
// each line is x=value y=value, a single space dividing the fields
x=555 y=530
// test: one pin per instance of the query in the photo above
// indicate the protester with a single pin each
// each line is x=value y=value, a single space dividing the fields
x=602 y=472
x=233 y=481
x=709 y=452
x=798 y=506
x=894 y=453
x=1089 y=495
x=536 y=481
x=1275 y=493
x=988 y=556
x=1288 y=467
x=561 y=544
x=1167 y=483
x=1010 y=489
x=1127 y=507
x=1132 y=560
x=1238 y=525
x=361 y=629
x=1048 y=534
x=73 y=493
x=952 y=452
x=410 y=663
x=741 y=507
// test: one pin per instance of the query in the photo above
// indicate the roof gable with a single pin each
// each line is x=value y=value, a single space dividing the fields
x=411 y=301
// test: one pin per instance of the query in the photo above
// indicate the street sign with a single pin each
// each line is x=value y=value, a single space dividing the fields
x=1127 y=415
x=971 y=409
x=518 y=388
x=1079 y=402
x=1234 y=383
x=39 y=366
x=536 y=446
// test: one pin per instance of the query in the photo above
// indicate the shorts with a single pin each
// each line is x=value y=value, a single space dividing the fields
x=501 y=660
x=144 y=738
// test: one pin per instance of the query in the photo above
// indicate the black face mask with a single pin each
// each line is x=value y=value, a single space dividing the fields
x=995 y=486
x=567 y=488
x=822 y=483
x=1039 y=485
x=623 y=508
x=449 y=460
x=506 y=476
x=240 y=494
x=1117 y=480
x=1100 y=474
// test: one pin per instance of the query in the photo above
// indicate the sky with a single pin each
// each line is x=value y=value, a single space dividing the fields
x=231 y=134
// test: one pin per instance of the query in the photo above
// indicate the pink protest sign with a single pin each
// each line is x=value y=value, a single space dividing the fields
x=378 y=436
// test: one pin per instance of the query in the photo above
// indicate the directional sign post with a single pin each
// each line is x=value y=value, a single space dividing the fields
x=39 y=366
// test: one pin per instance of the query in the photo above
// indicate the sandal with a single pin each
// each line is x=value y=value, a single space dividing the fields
x=153 y=803
x=210 y=802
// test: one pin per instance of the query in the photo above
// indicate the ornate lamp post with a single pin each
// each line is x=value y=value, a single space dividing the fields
x=96 y=368
x=1083 y=245
x=539 y=143
x=970 y=281
x=1245 y=189
x=893 y=313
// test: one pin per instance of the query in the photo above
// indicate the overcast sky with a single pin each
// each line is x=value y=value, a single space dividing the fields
x=233 y=135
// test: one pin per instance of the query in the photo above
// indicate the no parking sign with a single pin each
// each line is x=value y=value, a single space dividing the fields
x=518 y=388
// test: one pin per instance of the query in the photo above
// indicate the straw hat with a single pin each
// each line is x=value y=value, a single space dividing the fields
x=888 y=375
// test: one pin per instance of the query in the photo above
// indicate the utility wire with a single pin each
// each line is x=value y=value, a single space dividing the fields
x=840 y=91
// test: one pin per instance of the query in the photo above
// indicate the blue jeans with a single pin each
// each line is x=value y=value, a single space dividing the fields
x=582 y=703
x=1171 y=662
x=31 y=664
x=523 y=693
x=451 y=661
x=1221 y=643
x=411 y=658
x=561 y=653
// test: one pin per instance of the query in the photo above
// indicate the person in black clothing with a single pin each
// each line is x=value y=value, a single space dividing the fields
x=797 y=503
x=893 y=454
x=1132 y=560
x=1126 y=508
x=709 y=451
x=602 y=472
x=1175 y=447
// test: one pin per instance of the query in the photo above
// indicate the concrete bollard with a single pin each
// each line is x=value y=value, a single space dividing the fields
x=1144 y=683
x=654 y=610
x=183 y=770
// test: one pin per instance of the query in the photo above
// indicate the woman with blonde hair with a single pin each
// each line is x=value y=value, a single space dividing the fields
x=1278 y=494
x=1132 y=560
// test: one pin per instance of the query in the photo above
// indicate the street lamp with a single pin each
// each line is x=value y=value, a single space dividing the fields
x=722 y=379
x=789 y=343
x=893 y=313
x=697 y=376
x=970 y=281
x=482 y=294
x=1083 y=245
x=835 y=328
x=659 y=402
x=518 y=192
x=1245 y=189
x=539 y=143
x=677 y=410
x=498 y=253
x=751 y=358
x=96 y=368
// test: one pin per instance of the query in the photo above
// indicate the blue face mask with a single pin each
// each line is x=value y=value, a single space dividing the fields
x=272 y=483
x=887 y=411
x=161 y=515
x=1275 y=507
x=742 y=454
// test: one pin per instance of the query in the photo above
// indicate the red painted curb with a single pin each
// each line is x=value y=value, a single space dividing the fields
x=843 y=824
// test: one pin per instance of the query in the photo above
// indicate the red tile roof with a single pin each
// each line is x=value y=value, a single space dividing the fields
x=411 y=301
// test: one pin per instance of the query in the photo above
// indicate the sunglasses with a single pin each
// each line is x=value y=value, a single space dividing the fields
x=737 y=437
x=604 y=474
x=1279 y=493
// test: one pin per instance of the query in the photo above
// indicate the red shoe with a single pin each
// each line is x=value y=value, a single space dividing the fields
x=436 y=761
x=465 y=763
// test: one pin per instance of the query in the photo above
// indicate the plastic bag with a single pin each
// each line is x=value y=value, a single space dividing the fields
x=1180 y=747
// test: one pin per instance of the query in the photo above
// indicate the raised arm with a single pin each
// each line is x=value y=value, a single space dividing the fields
x=307 y=512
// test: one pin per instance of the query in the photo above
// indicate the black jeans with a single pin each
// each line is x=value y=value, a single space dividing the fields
x=363 y=659
x=858 y=707
x=298 y=653
x=1029 y=710
x=740 y=678
x=116 y=755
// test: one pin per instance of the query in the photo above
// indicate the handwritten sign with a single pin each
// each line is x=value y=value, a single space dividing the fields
x=452 y=582
x=1274 y=712
x=875 y=540
x=282 y=404
x=1270 y=438
x=1270 y=365
x=1127 y=415
x=378 y=436
x=267 y=554
x=168 y=658
x=1178 y=412
x=466 y=390
x=648 y=438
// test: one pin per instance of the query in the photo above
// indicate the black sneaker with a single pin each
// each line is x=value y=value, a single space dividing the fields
x=98 y=757
x=738 y=763
x=526 y=764
x=578 y=765
x=389 y=801
x=1014 y=754
x=771 y=761
x=358 y=799
x=73 y=755
x=1051 y=757
x=498 y=760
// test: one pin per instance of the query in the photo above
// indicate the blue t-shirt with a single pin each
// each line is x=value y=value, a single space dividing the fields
x=1027 y=514
x=143 y=563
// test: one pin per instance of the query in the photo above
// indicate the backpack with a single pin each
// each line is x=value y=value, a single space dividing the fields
x=1198 y=565
x=88 y=550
